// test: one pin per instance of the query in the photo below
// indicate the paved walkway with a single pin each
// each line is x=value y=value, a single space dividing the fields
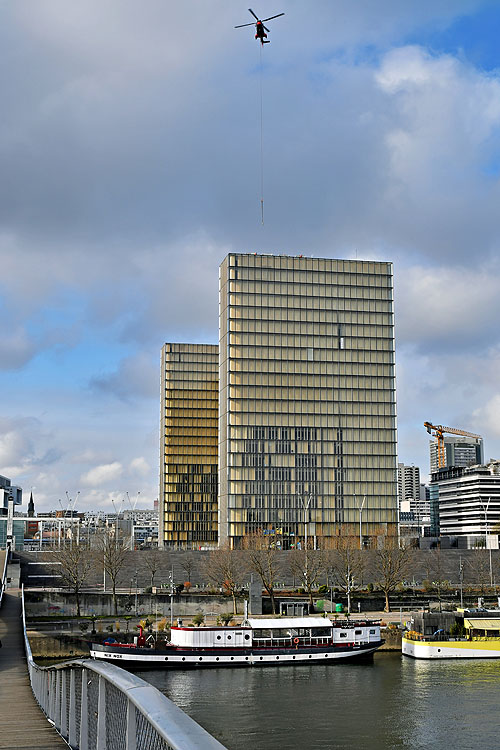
x=23 y=726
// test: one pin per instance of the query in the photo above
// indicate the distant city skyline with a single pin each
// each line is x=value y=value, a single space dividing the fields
x=130 y=160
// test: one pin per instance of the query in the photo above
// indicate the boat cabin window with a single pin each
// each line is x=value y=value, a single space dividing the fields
x=358 y=632
x=343 y=635
x=372 y=632
x=320 y=632
x=262 y=633
x=219 y=637
x=247 y=637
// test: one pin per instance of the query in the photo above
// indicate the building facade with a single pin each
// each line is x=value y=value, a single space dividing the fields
x=307 y=408
x=459 y=451
x=7 y=489
x=188 y=434
x=469 y=500
x=408 y=483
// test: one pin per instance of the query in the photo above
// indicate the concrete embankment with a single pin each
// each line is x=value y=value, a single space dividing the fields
x=392 y=638
x=56 y=646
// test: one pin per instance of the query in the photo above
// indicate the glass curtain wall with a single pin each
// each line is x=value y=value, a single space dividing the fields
x=188 y=475
x=307 y=412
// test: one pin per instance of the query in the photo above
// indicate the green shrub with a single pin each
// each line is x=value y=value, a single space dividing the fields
x=199 y=619
x=457 y=630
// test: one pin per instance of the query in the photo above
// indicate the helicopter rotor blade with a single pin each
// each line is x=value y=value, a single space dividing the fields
x=244 y=24
x=253 y=14
x=271 y=17
x=265 y=27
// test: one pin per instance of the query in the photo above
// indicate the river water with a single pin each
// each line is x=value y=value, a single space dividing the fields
x=393 y=702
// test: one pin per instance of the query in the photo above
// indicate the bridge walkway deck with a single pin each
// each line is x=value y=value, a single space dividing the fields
x=23 y=725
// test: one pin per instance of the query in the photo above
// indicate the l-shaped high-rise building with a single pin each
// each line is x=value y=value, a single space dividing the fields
x=307 y=404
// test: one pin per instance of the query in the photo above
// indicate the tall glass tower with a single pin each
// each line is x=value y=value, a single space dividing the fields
x=307 y=403
x=188 y=469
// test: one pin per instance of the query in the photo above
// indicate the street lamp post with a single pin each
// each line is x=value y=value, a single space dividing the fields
x=136 y=593
x=485 y=509
x=361 y=522
x=461 y=570
x=171 y=579
x=305 y=507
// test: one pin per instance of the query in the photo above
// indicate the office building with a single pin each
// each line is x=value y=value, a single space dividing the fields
x=188 y=434
x=307 y=408
x=7 y=489
x=469 y=501
x=459 y=451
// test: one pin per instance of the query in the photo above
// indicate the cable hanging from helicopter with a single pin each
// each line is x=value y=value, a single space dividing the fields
x=260 y=34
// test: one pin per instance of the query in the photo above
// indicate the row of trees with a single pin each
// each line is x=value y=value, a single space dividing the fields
x=229 y=570
x=342 y=568
x=345 y=569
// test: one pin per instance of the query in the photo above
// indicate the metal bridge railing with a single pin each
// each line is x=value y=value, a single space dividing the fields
x=3 y=575
x=98 y=706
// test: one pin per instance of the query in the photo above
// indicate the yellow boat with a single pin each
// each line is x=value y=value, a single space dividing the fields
x=464 y=634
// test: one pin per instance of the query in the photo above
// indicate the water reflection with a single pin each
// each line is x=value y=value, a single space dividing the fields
x=391 y=703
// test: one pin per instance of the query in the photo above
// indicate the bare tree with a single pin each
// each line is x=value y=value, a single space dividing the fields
x=225 y=568
x=345 y=565
x=479 y=570
x=391 y=567
x=307 y=566
x=436 y=573
x=188 y=563
x=266 y=561
x=153 y=558
x=111 y=555
x=75 y=563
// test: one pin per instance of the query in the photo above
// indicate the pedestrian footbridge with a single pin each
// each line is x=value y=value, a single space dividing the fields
x=81 y=703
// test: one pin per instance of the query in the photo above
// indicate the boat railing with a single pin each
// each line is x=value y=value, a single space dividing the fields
x=412 y=635
x=292 y=641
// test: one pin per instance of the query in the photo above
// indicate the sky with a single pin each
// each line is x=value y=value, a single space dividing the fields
x=130 y=167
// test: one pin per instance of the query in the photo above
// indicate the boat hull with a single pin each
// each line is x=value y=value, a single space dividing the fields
x=475 y=649
x=141 y=658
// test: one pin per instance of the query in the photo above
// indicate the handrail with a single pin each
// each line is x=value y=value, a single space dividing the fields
x=3 y=577
x=99 y=705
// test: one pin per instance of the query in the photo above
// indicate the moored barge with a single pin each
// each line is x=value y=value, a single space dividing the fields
x=256 y=642
x=464 y=634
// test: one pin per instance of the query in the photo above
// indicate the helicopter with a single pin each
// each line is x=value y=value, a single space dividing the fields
x=260 y=29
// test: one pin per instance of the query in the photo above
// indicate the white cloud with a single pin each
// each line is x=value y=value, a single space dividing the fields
x=102 y=474
x=441 y=308
x=488 y=415
x=140 y=466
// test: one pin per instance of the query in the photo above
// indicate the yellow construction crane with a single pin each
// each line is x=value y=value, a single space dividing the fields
x=438 y=433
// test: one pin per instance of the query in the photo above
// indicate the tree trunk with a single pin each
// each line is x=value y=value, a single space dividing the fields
x=235 y=609
x=77 y=594
x=273 y=601
x=387 y=603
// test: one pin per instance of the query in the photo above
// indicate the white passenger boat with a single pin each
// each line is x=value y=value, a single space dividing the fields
x=464 y=634
x=256 y=642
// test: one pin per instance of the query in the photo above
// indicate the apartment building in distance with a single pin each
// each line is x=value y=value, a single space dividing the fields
x=408 y=483
x=469 y=502
x=461 y=451
x=307 y=407
x=188 y=433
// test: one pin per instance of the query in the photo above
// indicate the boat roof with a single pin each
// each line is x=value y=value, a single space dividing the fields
x=482 y=623
x=288 y=622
